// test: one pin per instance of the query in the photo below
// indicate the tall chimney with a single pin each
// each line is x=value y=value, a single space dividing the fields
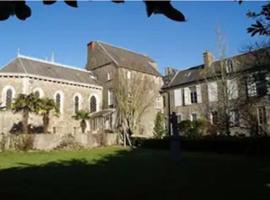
x=208 y=58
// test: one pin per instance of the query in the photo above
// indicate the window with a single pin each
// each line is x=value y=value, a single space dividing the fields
x=193 y=95
x=93 y=104
x=257 y=84
x=212 y=91
x=194 y=117
x=229 y=66
x=58 y=102
x=261 y=115
x=110 y=98
x=76 y=104
x=9 y=97
x=37 y=94
x=109 y=76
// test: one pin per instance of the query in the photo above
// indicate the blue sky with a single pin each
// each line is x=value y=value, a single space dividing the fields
x=66 y=31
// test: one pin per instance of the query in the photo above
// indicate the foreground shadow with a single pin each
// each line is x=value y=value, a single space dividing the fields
x=139 y=174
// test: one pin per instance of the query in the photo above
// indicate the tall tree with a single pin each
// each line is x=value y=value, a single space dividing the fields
x=25 y=104
x=133 y=94
x=44 y=108
x=82 y=116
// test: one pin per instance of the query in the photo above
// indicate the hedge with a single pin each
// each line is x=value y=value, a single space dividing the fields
x=218 y=144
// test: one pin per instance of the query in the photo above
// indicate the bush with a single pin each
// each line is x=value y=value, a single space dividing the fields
x=217 y=144
x=159 y=129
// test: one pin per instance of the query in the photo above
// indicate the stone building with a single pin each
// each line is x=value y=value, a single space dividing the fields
x=241 y=84
x=73 y=89
x=107 y=62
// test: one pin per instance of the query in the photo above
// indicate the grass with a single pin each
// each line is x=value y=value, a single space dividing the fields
x=119 y=173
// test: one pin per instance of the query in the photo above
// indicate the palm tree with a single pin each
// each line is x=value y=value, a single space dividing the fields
x=45 y=106
x=82 y=116
x=25 y=104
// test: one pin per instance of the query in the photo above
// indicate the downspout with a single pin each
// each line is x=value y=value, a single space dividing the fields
x=169 y=112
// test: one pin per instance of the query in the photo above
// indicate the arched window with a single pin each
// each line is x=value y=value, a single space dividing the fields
x=37 y=94
x=9 y=96
x=58 y=101
x=76 y=104
x=93 y=104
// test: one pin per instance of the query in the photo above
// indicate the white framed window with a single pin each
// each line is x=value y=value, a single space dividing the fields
x=59 y=101
x=38 y=92
x=8 y=95
x=93 y=104
x=193 y=94
x=77 y=102
x=110 y=98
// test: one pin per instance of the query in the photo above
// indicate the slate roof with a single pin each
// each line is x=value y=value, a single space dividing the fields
x=32 y=66
x=102 y=53
x=241 y=62
x=186 y=76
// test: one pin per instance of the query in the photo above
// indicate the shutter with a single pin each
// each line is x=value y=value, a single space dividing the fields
x=177 y=97
x=212 y=91
x=187 y=96
x=199 y=93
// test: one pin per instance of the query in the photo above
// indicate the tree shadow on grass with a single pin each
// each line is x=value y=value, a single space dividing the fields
x=139 y=174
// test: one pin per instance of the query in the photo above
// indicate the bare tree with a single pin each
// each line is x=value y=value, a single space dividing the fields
x=222 y=83
x=134 y=94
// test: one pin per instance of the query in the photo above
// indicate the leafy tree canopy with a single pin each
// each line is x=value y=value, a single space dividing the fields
x=23 y=11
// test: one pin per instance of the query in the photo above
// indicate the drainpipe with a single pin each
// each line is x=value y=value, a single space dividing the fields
x=169 y=112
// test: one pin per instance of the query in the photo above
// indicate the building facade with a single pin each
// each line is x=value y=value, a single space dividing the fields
x=73 y=89
x=234 y=91
x=112 y=65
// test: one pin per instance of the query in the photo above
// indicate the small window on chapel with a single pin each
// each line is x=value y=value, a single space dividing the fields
x=9 y=97
x=109 y=76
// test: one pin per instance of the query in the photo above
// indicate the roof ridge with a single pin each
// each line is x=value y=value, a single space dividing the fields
x=53 y=63
x=129 y=50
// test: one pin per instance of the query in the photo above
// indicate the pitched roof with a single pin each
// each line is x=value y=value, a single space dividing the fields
x=32 y=66
x=242 y=62
x=102 y=53
x=186 y=76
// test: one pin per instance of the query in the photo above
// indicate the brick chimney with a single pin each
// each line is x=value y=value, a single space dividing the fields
x=208 y=58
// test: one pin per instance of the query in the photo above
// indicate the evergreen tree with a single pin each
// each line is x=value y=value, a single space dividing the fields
x=159 y=130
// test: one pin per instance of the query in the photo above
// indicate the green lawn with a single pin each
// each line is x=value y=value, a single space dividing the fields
x=118 y=173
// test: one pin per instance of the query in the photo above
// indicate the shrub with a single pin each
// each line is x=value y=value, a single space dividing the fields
x=159 y=129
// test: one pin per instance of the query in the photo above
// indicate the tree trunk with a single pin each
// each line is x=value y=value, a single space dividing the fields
x=83 y=126
x=25 y=121
x=46 y=121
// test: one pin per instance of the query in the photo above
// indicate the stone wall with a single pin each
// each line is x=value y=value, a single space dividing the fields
x=49 y=142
